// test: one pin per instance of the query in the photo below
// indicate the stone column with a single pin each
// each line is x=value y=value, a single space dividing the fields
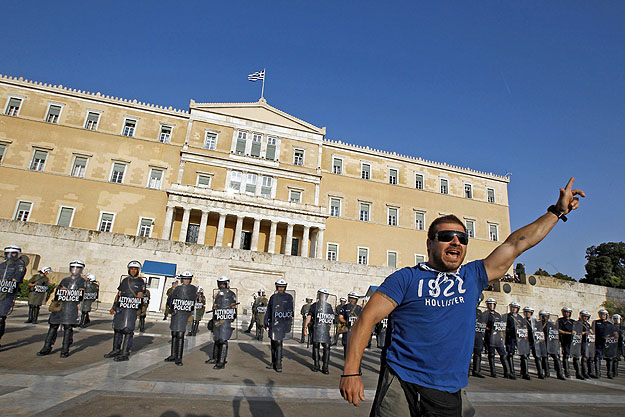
x=169 y=217
x=255 y=233
x=288 y=243
x=182 y=237
x=272 y=237
x=219 y=241
x=305 y=237
x=236 y=244
x=320 y=243
x=201 y=237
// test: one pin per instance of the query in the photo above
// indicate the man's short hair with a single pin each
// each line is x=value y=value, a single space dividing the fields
x=450 y=218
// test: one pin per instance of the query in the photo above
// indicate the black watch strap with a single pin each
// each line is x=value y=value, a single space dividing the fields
x=554 y=210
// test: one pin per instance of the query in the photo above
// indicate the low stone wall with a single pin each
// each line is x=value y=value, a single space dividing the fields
x=107 y=254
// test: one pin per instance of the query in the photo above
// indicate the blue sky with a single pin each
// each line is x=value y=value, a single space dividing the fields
x=531 y=88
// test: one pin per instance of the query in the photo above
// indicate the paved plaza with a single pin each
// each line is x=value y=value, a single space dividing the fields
x=86 y=384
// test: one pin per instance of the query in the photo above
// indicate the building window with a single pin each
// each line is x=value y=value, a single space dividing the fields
x=335 y=207
x=393 y=174
x=235 y=180
x=493 y=233
x=468 y=191
x=470 y=225
x=250 y=184
x=13 y=107
x=491 y=195
x=266 y=186
x=257 y=140
x=39 y=160
x=23 y=211
x=337 y=166
x=392 y=216
x=145 y=227
x=365 y=171
x=3 y=149
x=270 y=153
x=92 y=120
x=79 y=167
x=363 y=256
x=418 y=181
x=106 y=222
x=156 y=178
x=364 y=212
x=419 y=220
x=203 y=181
x=333 y=252
x=295 y=246
x=117 y=175
x=391 y=259
x=165 y=134
x=129 y=127
x=298 y=157
x=210 y=141
x=444 y=186
x=65 y=216
x=54 y=111
x=419 y=259
x=295 y=196
x=241 y=142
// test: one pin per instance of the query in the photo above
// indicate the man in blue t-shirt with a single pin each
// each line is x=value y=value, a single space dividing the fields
x=431 y=309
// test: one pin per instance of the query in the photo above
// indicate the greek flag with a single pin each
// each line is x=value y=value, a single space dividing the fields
x=259 y=75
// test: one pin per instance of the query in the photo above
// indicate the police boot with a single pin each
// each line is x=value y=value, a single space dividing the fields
x=565 y=365
x=491 y=364
x=591 y=368
x=545 y=360
x=558 y=367
x=36 y=314
x=179 y=348
x=30 y=314
x=326 y=359
x=87 y=319
x=213 y=358
x=278 y=363
x=125 y=351
x=477 y=366
x=83 y=317
x=315 y=355
x=141 y=324
x=615 y=368
x=223 y=354
x=585 y=374
x=506 y=367
x=249 y=329
x=192 y=328
x=172 y=355
x=578 y=374
x=525 y=373
x=608 y=364
x=117 y=341
x=597 y=362
x=67 y=340
x=539 y=367
x=50 y=338
x=511 y=371
x=262 y=333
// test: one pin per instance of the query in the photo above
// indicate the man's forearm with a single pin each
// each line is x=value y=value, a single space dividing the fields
x=358 y=341
x=529 y=236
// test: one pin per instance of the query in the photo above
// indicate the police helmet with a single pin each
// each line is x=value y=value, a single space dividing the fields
x=322 y=291
x=186 y=275
x=491 y=300
x=281 y=283
x=514 y=304
x=342 y=299
x=603 y=311
x=616 y=316
x=90 y=277
x=352 y=294
x=585 y=313
x=543 y=313
x=261 y=292
x=134 y=264
x=45 y=269
x=200 y=289
x=528 y=308
x=309 y=298
x=76 y=263
x=12 y=251
x=223 y=280
x=566 y=309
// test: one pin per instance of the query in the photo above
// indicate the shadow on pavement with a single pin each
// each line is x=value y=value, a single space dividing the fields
x=37 y=338
x=253 y=351
x=258 y=407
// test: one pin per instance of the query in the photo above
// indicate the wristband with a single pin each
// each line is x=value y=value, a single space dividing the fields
x=346 y=376
x=554 y=210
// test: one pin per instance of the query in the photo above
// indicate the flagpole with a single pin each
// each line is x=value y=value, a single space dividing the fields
x=262 y=91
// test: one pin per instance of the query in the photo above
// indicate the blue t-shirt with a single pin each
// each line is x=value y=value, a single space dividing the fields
x=434 y=323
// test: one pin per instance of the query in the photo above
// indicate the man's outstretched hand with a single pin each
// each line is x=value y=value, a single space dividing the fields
x=352 y=389
x=568 y=200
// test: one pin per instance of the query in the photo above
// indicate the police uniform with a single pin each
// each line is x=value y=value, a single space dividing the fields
x=12 y=272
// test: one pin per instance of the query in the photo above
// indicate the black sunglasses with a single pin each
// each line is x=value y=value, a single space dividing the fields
x=448 y=236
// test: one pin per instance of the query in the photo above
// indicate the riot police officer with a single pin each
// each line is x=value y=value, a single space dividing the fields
x=12 y=272
x=601 y=330
x=495 y=331
x=588 y=346
x=348 y=313
x=529 y=312
x=478 y=341
x=125 y=308
x=259 y=310
x=548 y=328
x=339 y=328
x=38 y=288
x=224 y=314
x=198 y=313
x=304 y=312
x=181 y=304
x=617 y=321
x=565 y=329
x=69 y=293
x=145 y=303
x=514 y=322
x=279 y=321
x=92 y=290
x=253 y=316
x=319 y=319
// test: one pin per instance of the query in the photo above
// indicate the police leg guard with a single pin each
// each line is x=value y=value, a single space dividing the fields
x=491 y=364
x=597 y=363
x=545 y=360
x=67 y=339
x=326 y=359
x=215 y=355
x=36 y=314
x=565 y=365
x=125 y=348
x=83 y=317
x=477 y=365
x=558 y=367
x=578 y=374
x=539 y=367
x=3 y=320
x=591 y=368
x=278 y=364
x=192 y=329
x=87 y=319
x=30 y=314
x=615 y=367
x=303 y=338
x=50 y=338
x=142 y=324
x=608 y=365
x=223 y=355
x=504 y=364
x=315 y=356
x=117 y=340
x=511 y=370
x=172 y=354
x=585 y=374
x=525 y=373
x=179 y=347
x=249 y=329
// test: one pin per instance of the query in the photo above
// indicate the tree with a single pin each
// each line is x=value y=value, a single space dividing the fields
x=564 y=277
x=606 y=265
x=614 y=307
x=542 y=273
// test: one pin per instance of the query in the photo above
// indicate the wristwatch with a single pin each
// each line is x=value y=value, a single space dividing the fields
x=554 y=210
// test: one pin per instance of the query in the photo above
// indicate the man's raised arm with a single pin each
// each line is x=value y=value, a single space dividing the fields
x=501 y=259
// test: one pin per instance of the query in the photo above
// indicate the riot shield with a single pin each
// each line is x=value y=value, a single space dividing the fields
x=224 y=309
x=611 y=341
x=622 y=340
x=553 y=336
x=498 y=329
x=481 y=317
x=589 y=341
x=540 y=345
x=380 y=332
x=323 y=320
x=281 y=320
x=521 y=335
x=576 y=339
